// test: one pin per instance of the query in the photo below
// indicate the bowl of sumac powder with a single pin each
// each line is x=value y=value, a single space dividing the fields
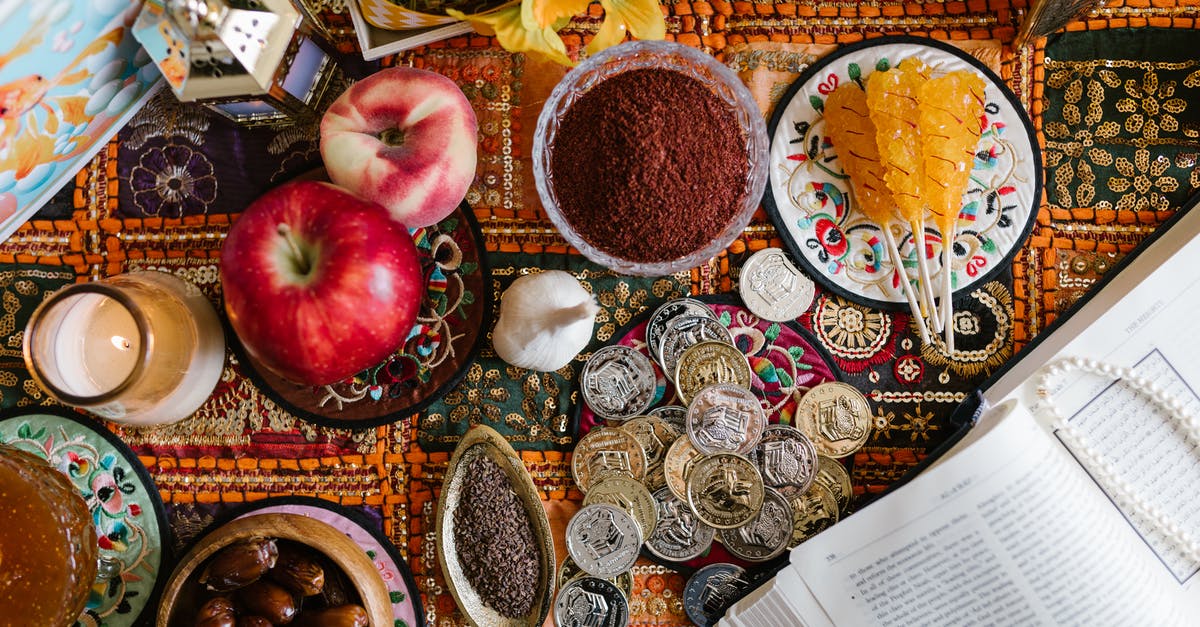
x=650 y=157
x=494 y=542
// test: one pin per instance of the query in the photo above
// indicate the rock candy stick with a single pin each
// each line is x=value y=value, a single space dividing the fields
x=951 y=107
x=848 y=124
x=892 y=99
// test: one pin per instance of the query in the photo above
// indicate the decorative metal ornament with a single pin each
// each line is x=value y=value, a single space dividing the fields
x=255 y=62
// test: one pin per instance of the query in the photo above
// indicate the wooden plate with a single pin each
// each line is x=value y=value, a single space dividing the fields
x=180 y=599
x=483 y=440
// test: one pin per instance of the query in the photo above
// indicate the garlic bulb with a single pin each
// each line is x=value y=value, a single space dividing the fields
x=545 y=320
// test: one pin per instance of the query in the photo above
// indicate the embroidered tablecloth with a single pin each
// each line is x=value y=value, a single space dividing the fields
x=1116 y=101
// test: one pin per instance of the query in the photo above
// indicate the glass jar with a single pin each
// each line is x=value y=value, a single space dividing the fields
x=47 y=543
x=140 y=348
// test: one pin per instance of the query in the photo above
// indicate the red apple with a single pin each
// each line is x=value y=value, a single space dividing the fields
x=404 y=138
x=319 y=284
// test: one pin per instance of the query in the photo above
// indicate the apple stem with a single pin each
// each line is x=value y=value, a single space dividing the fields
x=285 y=232
x=392 y=137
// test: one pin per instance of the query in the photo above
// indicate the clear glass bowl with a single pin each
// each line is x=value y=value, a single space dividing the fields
x=641 y=55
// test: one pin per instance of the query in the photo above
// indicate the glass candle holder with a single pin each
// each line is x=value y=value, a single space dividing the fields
x=47 y=543
x=141 y=348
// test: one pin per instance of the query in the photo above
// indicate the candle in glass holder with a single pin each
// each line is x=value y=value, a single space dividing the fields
x=140 y=348
x=47 y=543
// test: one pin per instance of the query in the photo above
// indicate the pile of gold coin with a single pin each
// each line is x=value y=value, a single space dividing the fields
x=677 y=478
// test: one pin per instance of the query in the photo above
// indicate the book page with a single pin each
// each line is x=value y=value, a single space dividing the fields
x=1007 y=532
x=1151 y=325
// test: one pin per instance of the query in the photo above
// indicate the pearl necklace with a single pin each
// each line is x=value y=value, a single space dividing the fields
x=1105 y=472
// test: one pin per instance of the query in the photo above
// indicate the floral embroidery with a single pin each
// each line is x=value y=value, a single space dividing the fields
x=857 y=336
x=173 y=181
x=1085 y=145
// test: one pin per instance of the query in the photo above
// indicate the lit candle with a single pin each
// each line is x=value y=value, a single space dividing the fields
x=141 y=348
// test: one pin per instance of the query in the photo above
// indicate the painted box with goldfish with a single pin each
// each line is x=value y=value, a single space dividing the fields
x=71 y=74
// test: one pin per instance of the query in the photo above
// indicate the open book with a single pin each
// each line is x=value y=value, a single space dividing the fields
x=1013 y=525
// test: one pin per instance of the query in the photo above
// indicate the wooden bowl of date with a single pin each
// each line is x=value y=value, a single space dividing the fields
x=348 y=575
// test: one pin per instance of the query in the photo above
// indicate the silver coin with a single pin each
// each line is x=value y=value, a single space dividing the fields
x=786 y=458
x=774 y=289
x=685 y=332
x=603 y=540
x=812 y=512
x=675 y=416
x=711 y=590
x=725 y=418
x=618 y=382
x=834 y=476
x=679 y=536
x=666 y=312
x=766 y=535
x=590 y=602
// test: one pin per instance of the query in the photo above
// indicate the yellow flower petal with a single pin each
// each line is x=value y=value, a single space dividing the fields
x=547 y=12
x=507 y=24
x=611 y=33
x=643 y=18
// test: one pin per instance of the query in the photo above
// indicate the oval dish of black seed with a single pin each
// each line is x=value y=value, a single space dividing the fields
x=494 y=543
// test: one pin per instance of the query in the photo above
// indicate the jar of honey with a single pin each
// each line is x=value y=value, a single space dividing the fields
x=47 y=543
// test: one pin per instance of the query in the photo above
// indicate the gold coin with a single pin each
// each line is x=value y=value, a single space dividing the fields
x=834 y=476
x=655 y=435
x=677 y=464
x=604 y=452
x=836 y=417
x=629 y=495
x=725 y=490
x=812 y=512
x=709 y=363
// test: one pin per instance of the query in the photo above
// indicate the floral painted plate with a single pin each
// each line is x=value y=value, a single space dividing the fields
x=126 y=508
x=455 y=315
x=808 y=195
x=406 y=599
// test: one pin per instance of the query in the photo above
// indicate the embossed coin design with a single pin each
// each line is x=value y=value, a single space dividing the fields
x=662 y=317
x=679 y=536
x=711 y=590
x=786 y=458
x=710 y=363
x=628 y=494
x=603 y=540
x=836 y=417
x=678 y=464
x=766 y=535
x=724 y=490
x=604 y=452
x=569 y=571
x=833 y=475
x=812 y=512
x=725 y=418
x=655 y=435
x=618 y=382
x=773 y=288
x=675 y=416
x=590 y=602
x=684 y=333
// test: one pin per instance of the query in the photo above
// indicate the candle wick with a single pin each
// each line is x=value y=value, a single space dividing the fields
x=298 y=256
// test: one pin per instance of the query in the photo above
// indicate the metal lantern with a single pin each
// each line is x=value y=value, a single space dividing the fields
x=256 y=62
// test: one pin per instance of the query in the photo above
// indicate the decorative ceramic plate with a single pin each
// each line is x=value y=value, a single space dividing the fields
x=454 y=317
x=784 y=359
x=406 y=599
x=126 y=507
x=808 y=196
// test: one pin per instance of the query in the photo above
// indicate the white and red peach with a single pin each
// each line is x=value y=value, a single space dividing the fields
x=406 y=139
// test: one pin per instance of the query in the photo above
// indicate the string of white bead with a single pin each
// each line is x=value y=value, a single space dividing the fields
x=1104 y=471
